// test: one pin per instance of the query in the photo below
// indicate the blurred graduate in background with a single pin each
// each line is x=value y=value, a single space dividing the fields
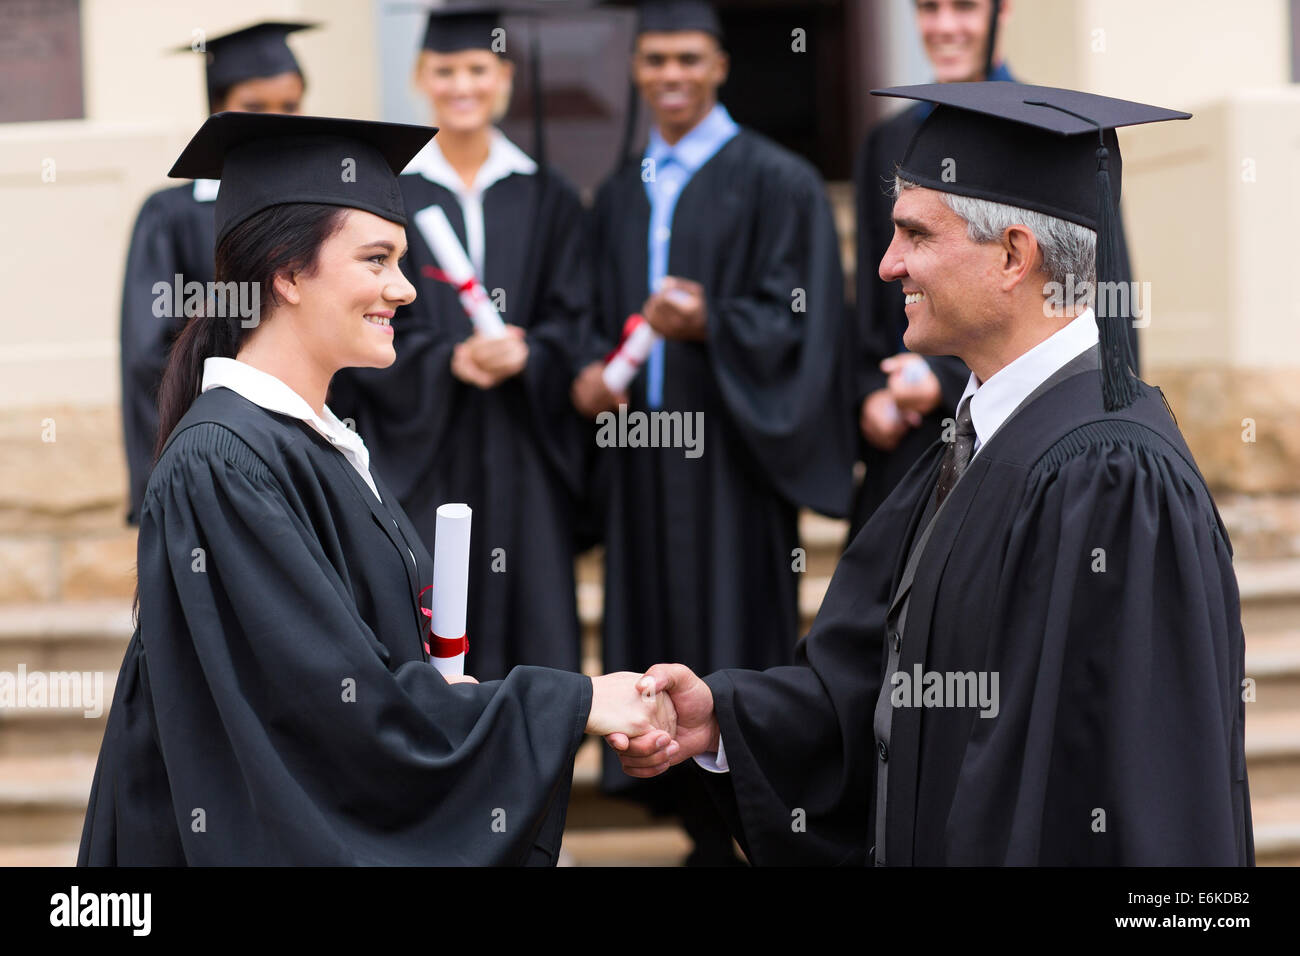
x=464 y=416
x=250 y=70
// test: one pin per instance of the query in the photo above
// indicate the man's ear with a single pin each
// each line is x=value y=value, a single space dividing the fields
x=286 y=287
x=1020 y=256
x=724 y=66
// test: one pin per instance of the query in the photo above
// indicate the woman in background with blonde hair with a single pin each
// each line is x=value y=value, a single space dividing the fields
x=463 y=416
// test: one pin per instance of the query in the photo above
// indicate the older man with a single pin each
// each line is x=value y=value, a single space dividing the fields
x=1032 y=653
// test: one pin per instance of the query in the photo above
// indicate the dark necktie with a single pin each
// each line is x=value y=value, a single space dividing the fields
x=957 y=455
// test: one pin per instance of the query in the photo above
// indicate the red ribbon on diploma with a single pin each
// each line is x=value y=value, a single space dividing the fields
x=633 y=320
x=446 y=646
x=434 y=273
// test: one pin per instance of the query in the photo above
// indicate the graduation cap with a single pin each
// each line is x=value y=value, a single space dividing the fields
x=265 y=159
x=1037 y=147
x=249 y=53
x=462 y=26
x=673 y=16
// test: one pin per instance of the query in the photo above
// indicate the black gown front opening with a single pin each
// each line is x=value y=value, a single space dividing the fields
x=1081 y=558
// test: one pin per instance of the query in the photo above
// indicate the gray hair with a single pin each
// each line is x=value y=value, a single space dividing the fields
x=1069 y=250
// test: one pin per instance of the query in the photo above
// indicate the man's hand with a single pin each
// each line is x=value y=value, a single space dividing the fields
x=626 y=704
x=882 y=424
x=697 y=725
x=591 y=396
x=677 y=310
x=486 y=362
x=915 y=388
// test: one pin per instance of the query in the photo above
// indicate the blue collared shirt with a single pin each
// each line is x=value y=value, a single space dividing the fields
x=666 y=174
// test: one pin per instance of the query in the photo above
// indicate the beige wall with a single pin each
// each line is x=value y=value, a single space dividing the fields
x=1175 y=52
x=1211 y=240
x=64 y=243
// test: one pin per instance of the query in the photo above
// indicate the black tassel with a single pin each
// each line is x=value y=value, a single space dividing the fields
x=1118 y=384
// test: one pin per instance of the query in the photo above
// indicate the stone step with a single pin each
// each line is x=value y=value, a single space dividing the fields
x=83 y=636
x=1273 y=752
x=39 y=854
x=1277 y=829
x=1273 y=663
x=1270 y=595
x=43 y=798
x=65 y=728
x=626 y=846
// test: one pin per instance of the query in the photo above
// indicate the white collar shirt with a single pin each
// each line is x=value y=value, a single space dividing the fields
x=504 y=159
x=267 y=391
x=992 y=402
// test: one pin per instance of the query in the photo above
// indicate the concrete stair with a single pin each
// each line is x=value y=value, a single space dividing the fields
x=47 y=755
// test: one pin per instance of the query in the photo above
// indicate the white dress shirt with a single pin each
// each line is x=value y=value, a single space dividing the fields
x=991 y=405
x=504 y=159
x=267 y=391
x=205 y=190
x=993 y=402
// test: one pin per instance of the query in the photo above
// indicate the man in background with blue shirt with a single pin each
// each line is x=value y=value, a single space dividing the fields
x=724 y=243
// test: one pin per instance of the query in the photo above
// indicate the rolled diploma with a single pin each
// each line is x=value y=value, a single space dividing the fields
x=433 y=225
x=629 y=357
x=450 y=584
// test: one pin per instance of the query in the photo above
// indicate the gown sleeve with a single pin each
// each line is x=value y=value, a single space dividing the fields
x=775 y=346
x=145 y=339
x=1117 y=631
x=279 y=717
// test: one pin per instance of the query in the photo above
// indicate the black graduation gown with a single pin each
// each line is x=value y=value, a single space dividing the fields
x=512 y=453
x=881 y=321
x=1119 y=690
x=174 y=234
x=275 y=705
x=699 y=551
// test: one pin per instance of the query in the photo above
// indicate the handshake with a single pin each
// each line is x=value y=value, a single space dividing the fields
x=654 y=720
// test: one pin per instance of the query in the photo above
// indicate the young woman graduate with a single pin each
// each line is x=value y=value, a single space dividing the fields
x=465 y=417
x=276 y=703
x=251 y=69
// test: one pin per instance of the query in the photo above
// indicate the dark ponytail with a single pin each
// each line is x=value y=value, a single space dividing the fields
x=281 y=239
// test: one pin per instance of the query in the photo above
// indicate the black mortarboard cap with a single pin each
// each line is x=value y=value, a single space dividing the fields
x=1037 y=147
x=673 y=16
x=266 y=159
x=462 y=26
x=249 y=53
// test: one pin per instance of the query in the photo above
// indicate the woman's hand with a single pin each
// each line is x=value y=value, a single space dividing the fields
x=627 y=703
x=460 y=679
x=487 y=362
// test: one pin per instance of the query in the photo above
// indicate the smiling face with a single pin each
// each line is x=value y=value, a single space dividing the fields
x=678 y=75
x=341 y=311
x=469 y=89
x=949 y=280
x=955 y=34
